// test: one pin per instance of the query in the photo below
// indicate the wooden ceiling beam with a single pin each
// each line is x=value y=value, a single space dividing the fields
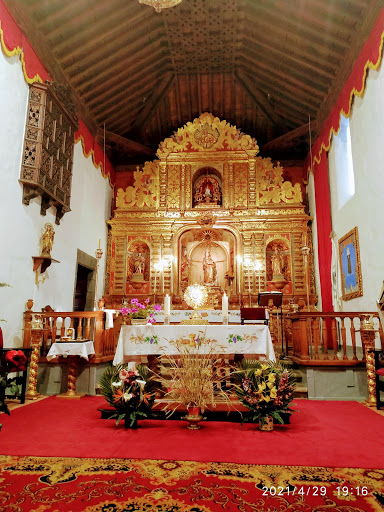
x=310 y=79
x=126 y=89
x=120 y=30
x=290 y=136
x=360 y=36
x=97 y=87
x=285 y=89
x=297 y=56
x=78 y=29
x=108 y=55
x=260 y=99
x=41 y=47
x=129 y=145
x=150 y=106
x=291 y=38
x=285 y=79
x=316 y=31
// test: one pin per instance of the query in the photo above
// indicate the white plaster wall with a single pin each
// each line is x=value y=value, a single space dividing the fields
x=21 y=226
x=364 y=210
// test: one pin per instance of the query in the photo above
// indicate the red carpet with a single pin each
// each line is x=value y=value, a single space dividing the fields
x=49 y=484
x=323 y=433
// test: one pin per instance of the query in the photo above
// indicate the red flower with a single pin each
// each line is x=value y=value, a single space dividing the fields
x=16 y=360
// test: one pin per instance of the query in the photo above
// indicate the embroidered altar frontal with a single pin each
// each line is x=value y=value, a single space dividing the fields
x=226 y=339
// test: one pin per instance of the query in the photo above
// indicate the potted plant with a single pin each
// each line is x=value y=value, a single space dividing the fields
x=266 y=389
x=10 y=362
x=129 y=389
x=194 y=382
x=140 y=313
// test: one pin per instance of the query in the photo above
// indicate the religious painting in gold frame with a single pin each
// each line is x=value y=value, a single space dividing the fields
x=350 y=267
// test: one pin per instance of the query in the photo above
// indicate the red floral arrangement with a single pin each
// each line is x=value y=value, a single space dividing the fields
x=16 y=361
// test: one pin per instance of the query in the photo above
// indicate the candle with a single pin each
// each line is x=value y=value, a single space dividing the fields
x=259 y=279
x=167 y=305
x=162 y=273
x=224 y=304
x=99 y=242
x=154 y=289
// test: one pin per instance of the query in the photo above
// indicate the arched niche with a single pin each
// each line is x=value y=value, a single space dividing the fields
x=192 y=247
x=138 y=259
x=207 y=187
x=279 y=248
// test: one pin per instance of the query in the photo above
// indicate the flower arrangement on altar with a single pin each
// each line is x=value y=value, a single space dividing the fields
x=265 y=388
x=130 y=390
x=139 y=310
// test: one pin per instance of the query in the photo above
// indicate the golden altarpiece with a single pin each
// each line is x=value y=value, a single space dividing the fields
x=208 y=211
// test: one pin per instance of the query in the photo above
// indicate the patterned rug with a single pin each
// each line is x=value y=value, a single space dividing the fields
x=50 y=484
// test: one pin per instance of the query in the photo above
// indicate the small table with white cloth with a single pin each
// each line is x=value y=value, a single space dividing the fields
x=73 y=350
x=137 y=340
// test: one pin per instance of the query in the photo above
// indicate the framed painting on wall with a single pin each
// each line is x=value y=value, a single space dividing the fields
x=349 y=255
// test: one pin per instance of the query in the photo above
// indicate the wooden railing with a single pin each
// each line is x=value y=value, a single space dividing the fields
x=87 y=324
x=328 y=339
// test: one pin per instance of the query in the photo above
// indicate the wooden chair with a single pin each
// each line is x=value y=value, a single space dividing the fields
x=256 y=315
x=379 y=370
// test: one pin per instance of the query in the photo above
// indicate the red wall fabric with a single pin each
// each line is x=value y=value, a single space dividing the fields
x=369 y=58
x=324 y=228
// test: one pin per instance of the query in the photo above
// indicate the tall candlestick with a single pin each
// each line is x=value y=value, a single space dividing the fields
x=99 y=242
x=162 y=273
x=167 y=305
x=224 y=304
x=154 y=289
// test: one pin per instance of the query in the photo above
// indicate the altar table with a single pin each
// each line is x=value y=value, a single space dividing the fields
x=76 y=348
x=159 y=339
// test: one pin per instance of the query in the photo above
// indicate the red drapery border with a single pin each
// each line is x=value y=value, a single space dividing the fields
x=14 y=42
x=369 y=58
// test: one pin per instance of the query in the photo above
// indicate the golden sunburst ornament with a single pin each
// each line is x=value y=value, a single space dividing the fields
x=158 y=5
x=196 y=295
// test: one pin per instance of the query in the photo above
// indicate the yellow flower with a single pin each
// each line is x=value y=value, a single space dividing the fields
x=267 y=398
x=261 y=398
x=261 y=387
x=258 y=371
x=270 y=384
x=264 y=367
x=273 y=393
x=272 y=377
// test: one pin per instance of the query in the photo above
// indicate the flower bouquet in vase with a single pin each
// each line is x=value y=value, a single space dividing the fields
x=129 y=390
x=141 y=313
x=266 y=389
x=192 y=379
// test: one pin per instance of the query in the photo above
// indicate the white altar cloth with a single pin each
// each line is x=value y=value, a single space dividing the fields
x=159 y=339
x=79 y=348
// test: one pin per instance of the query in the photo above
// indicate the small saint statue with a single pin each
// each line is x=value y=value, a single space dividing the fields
x=277 y=262
x=209 y=268
x=207 y=194
x=139 y=264
x=47 y=240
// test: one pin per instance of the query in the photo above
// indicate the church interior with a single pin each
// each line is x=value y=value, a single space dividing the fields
x=192 y=181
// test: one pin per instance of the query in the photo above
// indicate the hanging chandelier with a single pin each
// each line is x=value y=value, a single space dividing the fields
x=158 y=5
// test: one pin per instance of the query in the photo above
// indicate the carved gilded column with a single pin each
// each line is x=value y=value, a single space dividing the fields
x=252 y=184
x=231 y=194
x=155 y=262
x=182 y=188
x=367 y=333
x=163 y=185
x=187 y=195
x=167 y=259
x=248 y=265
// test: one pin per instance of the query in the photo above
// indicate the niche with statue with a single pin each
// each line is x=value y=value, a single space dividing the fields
x=278 y=264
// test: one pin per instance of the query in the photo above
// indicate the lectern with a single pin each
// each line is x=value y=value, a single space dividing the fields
x=277 y=299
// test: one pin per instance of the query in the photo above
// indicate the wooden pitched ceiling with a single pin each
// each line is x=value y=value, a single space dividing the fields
x=273 y=68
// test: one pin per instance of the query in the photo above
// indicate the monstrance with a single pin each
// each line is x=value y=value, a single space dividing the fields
x=195 y=296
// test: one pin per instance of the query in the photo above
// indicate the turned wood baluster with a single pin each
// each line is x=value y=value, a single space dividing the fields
x=353 y=336
x=381 y=334
x=54 y=329
x=344 y=338
x=316 y=336
x=88 y=329
x=62 y=329
x=325 y=339
x=334 y=337
x=79 y=329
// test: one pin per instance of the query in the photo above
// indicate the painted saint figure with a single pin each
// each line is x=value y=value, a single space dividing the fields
x=209 y=268
x=139 y=264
